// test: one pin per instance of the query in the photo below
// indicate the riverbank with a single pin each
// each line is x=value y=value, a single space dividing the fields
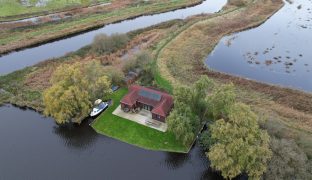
x=180 y=61
x=18 y=39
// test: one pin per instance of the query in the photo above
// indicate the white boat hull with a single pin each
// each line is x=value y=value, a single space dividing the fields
x=97 y=111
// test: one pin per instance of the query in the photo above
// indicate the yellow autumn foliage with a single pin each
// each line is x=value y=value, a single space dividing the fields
x=74 y=88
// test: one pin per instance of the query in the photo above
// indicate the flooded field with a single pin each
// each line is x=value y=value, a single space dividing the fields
x=277 y=52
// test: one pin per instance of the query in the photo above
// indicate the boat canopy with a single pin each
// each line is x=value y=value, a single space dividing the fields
x=97 y=102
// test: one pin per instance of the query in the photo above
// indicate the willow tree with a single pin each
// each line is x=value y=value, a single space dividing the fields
x=239 y=144
x=190 y=110
x=181 y=123
x=221 y=100
x=74 y=88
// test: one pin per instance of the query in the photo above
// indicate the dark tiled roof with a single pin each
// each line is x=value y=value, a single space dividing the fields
x=150 y=97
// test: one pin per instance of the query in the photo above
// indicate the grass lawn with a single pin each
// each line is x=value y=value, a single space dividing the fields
x=133 y=133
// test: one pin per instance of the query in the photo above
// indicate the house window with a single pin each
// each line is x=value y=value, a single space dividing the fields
x=147 y=107
x=157 y=117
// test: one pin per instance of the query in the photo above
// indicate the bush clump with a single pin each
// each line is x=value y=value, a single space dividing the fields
x=104 y=44
x=143 y=61
x=288 y=162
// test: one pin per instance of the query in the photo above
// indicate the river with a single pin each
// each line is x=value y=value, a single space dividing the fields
x=277 y=52
x=34 y=147
x=27 y=57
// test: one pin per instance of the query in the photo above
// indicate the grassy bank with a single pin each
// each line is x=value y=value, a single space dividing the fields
x=133 y=133
x=20 y=38
x=11 y=10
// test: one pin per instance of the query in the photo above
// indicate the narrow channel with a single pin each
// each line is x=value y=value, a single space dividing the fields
x=20 y=59
x=277 y=52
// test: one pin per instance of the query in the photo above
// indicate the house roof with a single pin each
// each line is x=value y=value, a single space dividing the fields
x=161 y=101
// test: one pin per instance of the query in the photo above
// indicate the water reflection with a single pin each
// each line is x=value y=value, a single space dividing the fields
x=210 y=174
x=76 y=136
x=176 y=160
x=34 y=147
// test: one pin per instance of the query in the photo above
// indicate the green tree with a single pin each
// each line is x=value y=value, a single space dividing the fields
x=205 y=140
x=198 y=99
x=180 y=123
x=96 y=81
x=240 y=145
x=190 y=109
x=66 y=103
x=182 y=95
x=116 y=76
x=74 y=88
x=221 y=100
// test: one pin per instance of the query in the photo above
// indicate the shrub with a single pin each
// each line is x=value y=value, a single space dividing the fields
x=288 y=161
x=140 y=60
x=103 y=44
x=144 y=62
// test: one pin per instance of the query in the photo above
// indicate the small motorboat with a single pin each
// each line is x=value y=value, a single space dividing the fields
x=99 y=106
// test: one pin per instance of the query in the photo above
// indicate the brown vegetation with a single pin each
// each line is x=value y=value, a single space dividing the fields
x=39 y=79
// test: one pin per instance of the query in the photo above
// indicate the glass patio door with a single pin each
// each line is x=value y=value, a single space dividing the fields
x=146 y=107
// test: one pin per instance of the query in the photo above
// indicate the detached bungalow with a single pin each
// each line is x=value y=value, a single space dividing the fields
x=157 y=102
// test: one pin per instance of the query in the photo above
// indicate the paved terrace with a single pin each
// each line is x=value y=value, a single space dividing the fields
x=144 y=117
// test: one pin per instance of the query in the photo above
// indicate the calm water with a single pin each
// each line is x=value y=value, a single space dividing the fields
x=31 y=56
x=34 y=147
x=278 y=52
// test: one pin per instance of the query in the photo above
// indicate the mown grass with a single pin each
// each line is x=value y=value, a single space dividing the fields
x=133 y=133
x=12 y=9
x=23 y=37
